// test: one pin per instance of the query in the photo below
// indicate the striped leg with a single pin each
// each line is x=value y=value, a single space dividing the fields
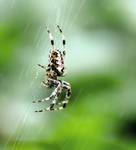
x=54 y=93
x=42 y=66
x=51 y=107
x=63 y=104
x=51 y=37
x=50 y=82
x=54 y=102
x=63 y=39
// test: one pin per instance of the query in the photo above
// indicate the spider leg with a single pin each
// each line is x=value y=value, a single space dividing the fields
x=54 y=102
x=63 y=39
x=41 y=66
x=50 y=37
x=45 y=84
x=50 y=108
x=54 y=93
x=63 y=104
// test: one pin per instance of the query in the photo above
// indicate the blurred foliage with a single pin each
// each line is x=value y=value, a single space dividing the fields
x=101 y=113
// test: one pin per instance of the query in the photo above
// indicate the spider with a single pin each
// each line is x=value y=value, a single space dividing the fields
x=55 y=69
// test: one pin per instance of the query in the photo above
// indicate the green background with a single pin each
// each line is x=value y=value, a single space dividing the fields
x=100 y=62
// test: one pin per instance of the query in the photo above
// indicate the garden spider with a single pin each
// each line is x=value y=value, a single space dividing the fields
x=55 y=69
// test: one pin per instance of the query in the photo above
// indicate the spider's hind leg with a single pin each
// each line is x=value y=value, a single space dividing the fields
x=63 y=39
x=50 y=37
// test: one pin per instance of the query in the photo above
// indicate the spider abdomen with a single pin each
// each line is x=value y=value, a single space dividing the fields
x=57 y=62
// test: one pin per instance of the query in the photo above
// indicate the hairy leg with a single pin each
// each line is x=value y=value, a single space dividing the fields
x=53 y=96
x=67 y=87
x=63 y=39
x=54 y=93
x=43 y=67
x=50 y=37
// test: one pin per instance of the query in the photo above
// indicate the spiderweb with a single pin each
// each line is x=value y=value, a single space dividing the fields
x=58 y=12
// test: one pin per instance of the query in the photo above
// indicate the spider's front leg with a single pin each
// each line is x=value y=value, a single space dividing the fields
x=53 y=96
x=67 y=87
x=51 y=107
x=53 y=103
x=50 y=82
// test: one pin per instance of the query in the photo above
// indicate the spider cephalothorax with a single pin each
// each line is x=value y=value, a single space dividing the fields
x=55 y=69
